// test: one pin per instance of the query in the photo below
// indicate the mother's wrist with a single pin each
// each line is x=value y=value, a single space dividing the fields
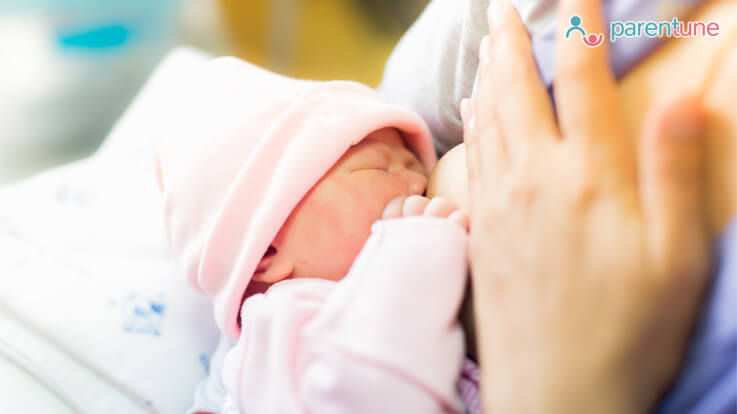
x=554 y=393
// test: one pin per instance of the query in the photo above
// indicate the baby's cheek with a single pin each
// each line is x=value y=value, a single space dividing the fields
x=369 y=196
x=338 y=255
x=344 y=235
x=356 y=230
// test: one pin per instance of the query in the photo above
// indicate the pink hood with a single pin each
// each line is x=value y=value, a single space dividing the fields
x=244 y=145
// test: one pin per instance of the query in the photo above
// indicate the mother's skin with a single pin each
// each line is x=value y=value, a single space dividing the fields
x=705 y=66
x=677 y=68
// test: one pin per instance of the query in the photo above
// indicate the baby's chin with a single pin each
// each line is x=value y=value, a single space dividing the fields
x=449 y=178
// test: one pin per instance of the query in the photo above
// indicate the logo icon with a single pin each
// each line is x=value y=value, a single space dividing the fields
x=591 y=39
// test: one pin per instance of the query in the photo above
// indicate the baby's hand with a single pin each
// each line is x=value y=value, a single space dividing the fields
x=422 y=206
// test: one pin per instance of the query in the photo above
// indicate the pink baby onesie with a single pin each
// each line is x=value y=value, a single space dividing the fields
x=385 y=339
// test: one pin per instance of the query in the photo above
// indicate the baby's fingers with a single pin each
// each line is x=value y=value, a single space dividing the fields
x=422 y=206
x=414 y=205
x=394 y=208
x=405 y=206
x=461 y=218
x=440 y=207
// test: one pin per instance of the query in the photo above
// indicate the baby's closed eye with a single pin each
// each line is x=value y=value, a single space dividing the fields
x=370 y=160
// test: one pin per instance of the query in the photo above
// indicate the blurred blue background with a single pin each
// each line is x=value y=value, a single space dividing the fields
x=69 y=68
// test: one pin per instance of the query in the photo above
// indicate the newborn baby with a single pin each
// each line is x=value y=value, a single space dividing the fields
x=297 y=207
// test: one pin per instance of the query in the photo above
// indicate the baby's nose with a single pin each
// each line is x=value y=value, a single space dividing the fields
x=416 y=183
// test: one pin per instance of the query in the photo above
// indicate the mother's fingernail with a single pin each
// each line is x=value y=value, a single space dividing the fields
x=491 y=13
x=496 y=13
x=464 y=109
x=484 y=48
x=503 y=7
x=470 y=123
x=687 y=127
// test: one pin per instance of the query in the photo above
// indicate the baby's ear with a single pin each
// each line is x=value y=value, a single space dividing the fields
x=273 y=267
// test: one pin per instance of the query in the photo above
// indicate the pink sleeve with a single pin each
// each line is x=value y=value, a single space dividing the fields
x=384 y=339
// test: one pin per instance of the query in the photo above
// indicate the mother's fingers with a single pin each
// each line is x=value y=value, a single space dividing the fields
x=523 y=105
x=585 y=89
x=486 y=154
x=485 y=164
x=673 y=177
x=481 y=133
x=587 y=100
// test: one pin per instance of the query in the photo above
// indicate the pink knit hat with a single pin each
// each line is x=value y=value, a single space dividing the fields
x=244 y=145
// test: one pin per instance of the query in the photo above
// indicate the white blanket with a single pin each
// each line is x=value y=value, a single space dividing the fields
x=84 y=262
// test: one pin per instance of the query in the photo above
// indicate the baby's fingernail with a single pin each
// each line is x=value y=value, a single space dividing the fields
x=461 y=218
x=393 y=209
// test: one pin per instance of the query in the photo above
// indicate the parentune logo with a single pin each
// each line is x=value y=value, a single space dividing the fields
x=591 y=39
x=674 y=28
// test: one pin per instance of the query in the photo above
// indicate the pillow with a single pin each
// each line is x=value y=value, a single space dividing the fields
x=85 y=263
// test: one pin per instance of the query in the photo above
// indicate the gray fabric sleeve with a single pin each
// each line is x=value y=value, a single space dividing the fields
x=434 y=65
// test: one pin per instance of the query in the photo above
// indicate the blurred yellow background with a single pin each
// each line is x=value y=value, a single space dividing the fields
x=319 y=39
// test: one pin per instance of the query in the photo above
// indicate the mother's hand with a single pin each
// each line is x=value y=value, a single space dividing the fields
x=588 y=263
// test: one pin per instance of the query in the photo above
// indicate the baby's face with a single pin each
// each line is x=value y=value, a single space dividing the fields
x=328 y=228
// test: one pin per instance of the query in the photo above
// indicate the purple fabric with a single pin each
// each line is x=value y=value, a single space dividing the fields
x=624 y=53
x=469 y=388
x=708 y=380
